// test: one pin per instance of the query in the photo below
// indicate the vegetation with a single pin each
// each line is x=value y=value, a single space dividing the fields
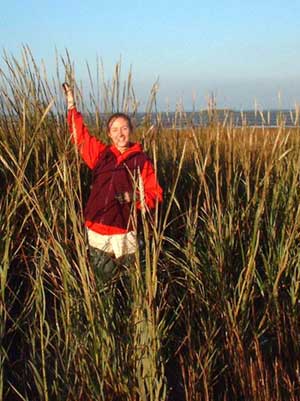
x=210 y=308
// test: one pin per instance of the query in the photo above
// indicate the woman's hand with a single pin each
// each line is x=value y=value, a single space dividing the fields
x=124 y=197
x=69 y=95
x=127 y=197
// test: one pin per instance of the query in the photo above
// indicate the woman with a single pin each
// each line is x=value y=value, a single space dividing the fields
x=123 y=178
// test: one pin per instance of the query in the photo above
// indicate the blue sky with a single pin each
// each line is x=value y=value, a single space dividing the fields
x=242 y=51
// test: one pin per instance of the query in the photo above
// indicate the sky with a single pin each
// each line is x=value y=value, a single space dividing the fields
x=244 y=52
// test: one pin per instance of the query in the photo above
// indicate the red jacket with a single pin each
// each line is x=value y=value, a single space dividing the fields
x=113 y=174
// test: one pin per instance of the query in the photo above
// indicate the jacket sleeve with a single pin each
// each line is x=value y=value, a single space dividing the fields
x=151 y=188
x=89 y=147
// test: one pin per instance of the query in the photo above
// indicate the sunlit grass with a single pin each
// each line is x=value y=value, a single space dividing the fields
x=210 y=308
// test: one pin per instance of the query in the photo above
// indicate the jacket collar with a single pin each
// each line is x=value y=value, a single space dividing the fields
x=132 y=149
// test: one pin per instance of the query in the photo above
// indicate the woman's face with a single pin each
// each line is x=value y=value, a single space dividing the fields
x=119 y=132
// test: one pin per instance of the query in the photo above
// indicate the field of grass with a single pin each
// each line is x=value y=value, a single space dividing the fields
x=210 y=308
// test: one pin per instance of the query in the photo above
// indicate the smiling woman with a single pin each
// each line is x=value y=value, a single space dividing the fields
x=119 y=127
x=123 y=181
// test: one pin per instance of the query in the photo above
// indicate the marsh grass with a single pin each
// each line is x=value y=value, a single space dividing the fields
x=210 y=308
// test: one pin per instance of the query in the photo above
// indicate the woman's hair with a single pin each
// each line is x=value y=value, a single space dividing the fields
x=114 y=116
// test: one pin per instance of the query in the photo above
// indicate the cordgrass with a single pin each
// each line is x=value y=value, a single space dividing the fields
x=209 y=310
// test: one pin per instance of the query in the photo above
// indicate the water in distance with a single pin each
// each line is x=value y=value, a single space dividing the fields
x=272 y=118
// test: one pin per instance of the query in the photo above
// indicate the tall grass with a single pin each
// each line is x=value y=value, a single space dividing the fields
x=209 y=310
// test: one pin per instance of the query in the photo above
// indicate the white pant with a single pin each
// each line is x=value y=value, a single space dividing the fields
x=119 y=244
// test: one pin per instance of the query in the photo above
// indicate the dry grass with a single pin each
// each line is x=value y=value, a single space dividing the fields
x=209 y=310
